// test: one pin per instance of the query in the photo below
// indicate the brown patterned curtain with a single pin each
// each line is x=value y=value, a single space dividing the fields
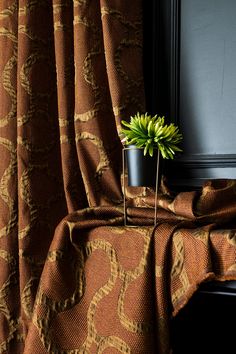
x=70 y=70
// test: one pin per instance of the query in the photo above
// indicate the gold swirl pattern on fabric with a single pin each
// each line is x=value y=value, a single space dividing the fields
x=9 y=172
x=6 y=75
x=25 y=83
x=73 y=278
x=80 y=2
x=88 y=70
x=64 y=122
x=85 y=117
x=64 y=139
x=230 y=236
x=158 y=271
x=5 y=289
x=232 y=269
x=26 y=30
x=103 y=163
x=9 y=10
x=118 y=110
x=57 y=8
x=128 y=277
x=202 y=234
x=52 y=307
x=178 y=269
x=36 y=267
x=120 y=17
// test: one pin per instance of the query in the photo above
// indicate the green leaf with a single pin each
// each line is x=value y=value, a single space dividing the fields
x=146 y=131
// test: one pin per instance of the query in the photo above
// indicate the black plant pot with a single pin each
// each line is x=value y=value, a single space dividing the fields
x=142 y=170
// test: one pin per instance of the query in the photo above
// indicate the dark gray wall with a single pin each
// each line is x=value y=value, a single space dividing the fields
x=190 y=71
x=207 y=104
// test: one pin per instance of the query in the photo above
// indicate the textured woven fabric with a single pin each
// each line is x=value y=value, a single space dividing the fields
x=110 y=288
x=66 y=81
x=69 y=72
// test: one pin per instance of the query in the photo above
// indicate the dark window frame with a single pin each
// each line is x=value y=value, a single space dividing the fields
x=162 y=77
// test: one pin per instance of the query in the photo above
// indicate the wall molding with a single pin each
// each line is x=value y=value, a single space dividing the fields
x=207 y=161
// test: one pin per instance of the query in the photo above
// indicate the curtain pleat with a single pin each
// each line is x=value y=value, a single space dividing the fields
x=9 y=265
x=69 y=72
x=41 y=197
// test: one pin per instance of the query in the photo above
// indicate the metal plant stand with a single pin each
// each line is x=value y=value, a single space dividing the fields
x=124 y=187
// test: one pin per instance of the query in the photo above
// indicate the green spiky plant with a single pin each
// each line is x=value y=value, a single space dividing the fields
x=149 y=132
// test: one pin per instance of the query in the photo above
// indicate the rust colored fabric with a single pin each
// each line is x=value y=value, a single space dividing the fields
x=107 y=288
x=66 y=80
x=73 y=279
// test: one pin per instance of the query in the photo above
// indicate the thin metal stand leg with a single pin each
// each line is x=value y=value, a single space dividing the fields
x=156 y=189
x=123 y=167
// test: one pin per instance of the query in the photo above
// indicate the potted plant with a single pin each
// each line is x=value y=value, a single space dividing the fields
x=146 y=137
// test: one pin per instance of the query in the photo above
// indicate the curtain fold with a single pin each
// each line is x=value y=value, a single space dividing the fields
x=73 y=279
x=69 y=72
x=110 y=288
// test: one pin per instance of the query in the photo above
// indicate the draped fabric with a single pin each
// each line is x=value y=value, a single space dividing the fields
x=69 y=71
x=107 y=288
x=73 y=279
